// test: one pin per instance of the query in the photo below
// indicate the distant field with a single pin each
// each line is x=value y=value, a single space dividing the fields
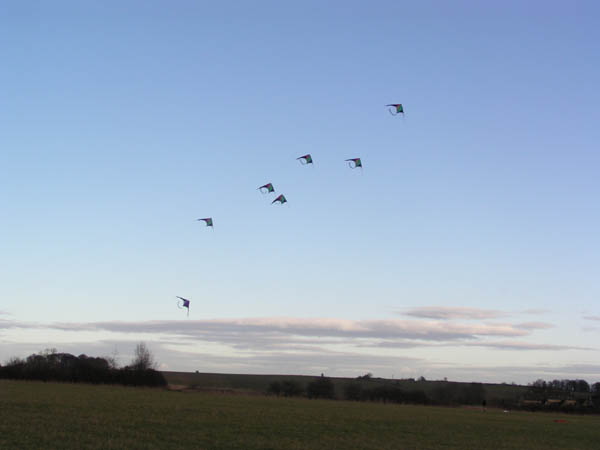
x=75 y=416
x=260 y=383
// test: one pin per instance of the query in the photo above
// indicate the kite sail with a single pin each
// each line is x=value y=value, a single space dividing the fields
x=399 y=109
x=209 y=222
x=281 y=199
x=354 y=163
x=306 y=159
x=183 y=303
x=267 y=188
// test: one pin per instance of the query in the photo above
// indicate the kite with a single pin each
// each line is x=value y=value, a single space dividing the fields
x=399 y=109
x=267 y=188
x=354 y=163
x=183 y=303
x=281 y=199
x=209 y=222
x=306 y=159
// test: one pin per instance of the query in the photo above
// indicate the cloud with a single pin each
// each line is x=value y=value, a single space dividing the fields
x=517 y=345
x=500 y=345
x=274 y=327
x=281 y=345
x=591 y=317
x=465 y=313
x=174 y=355
x=254 y=337
x=6 y=324
x=454 y=312
x=534 y=325
x=398 y=344
x=579 y=369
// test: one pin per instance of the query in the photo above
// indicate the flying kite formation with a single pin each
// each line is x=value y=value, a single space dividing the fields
x=393 y=108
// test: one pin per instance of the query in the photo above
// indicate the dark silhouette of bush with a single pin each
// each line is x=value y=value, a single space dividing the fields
x=446 y=394
x=353 y=391
x=13 y=369
x=366 y=376
x=417 y=397
x=385 y=394
x=471 y=394
x=291 y=388
x=274 y=388
x=52 y=366
x=322 y=387
x=140 y=377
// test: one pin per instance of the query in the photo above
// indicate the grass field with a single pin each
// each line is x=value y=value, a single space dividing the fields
x=69 y=416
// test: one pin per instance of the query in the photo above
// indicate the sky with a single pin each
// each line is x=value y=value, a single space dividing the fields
x=467 y=246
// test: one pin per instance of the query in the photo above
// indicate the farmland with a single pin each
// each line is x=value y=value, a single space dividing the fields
x=252 y=384
x=69 y=416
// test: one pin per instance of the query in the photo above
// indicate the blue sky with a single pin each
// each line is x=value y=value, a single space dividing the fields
x=122 y=123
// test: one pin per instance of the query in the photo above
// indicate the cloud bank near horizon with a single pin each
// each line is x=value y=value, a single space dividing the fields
x=284 y=326
x=341 y=347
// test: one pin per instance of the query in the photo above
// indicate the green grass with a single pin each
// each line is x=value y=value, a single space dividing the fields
x=69 y=416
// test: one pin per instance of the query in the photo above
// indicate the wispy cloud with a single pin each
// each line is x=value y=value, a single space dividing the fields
x=500 y=345
x=5 y=323
x=518 y=345
x=592 y=318
x=465 y=313
x=535 y=311
x=281 y=326
x=454 y=312
x=534 y=325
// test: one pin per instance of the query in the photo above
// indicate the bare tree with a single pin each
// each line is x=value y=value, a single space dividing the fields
x=113 y=359
x=144 y=359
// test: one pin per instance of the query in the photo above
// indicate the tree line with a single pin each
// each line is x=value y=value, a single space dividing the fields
x=444 y=393
x=50 y=365
x=565 y=386
x=562 y=395
x=557 y=395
